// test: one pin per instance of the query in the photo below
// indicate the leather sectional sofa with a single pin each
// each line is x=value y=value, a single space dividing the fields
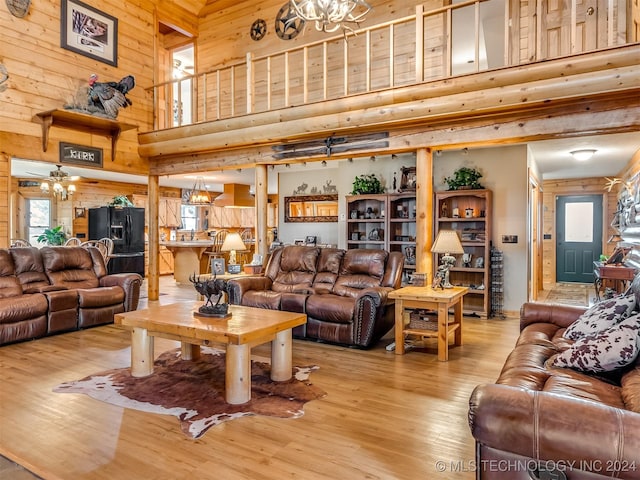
x=544 y=420
x=343 y=292
x=58 y=289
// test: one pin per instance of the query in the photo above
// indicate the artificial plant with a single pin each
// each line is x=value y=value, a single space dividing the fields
x=367 y=184
x=53 y=236
x=464 y=178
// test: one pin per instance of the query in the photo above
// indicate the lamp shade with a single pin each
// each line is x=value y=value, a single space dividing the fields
x=233 y=241
x=447 y=241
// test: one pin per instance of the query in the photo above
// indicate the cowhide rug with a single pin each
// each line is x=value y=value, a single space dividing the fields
x=193 y=391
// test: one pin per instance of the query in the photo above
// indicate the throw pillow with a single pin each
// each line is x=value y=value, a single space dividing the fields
x=608 y=350
x=600 y=316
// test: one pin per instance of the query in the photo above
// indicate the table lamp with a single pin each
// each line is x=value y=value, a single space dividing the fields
x=447 y=242
x=233 y=242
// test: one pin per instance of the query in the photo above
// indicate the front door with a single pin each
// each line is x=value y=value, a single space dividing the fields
x=578 y=237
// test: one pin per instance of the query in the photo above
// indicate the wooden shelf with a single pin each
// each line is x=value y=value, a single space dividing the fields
x=84 y=123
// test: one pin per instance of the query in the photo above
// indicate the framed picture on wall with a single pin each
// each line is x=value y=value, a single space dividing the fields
x=79 y=212
x=89 y=32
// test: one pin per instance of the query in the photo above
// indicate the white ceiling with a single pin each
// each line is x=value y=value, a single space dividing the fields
x=554 y=161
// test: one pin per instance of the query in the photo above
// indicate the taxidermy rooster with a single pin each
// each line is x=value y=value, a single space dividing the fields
x=110 y=96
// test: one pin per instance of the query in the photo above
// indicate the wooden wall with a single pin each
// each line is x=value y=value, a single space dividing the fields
x=43 y=76
x=5 y=167
x=90 y=194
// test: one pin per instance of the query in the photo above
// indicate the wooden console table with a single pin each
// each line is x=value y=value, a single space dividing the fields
x=617 y=276
x=82 y=122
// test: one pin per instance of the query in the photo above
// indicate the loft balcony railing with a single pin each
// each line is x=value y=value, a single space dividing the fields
x=434 y=44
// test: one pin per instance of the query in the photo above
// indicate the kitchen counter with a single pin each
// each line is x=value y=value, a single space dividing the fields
x=186 y=257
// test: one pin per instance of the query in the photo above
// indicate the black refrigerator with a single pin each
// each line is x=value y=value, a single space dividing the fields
x=125 y=226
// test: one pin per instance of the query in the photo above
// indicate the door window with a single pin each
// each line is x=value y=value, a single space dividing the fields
x=578 y=222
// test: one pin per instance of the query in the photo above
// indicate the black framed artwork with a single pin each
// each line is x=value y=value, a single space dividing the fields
x=89 y=32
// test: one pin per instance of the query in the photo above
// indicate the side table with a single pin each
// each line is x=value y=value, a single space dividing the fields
x=433 y=299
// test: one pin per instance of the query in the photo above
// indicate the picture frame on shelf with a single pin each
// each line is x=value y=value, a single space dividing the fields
x=310 y=240
x=218 y=266
x=89 y=32
x=299 y=242
x=409 y=180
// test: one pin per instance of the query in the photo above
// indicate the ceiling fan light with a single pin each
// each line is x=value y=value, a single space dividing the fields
x=57 y=187
x=583 y=154
x=71 y=189
x=44 y=187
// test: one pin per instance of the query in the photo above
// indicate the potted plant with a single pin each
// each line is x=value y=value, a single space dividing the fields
x=53 y=236
x=464 y=178
x=367 y=184
x=121 y=201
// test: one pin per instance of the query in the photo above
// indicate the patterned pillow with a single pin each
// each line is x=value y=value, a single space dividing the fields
x=600 y=316
x=613 y=348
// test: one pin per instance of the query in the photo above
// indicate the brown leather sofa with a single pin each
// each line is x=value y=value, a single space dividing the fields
x=57 y=289
x=540 y=421
x=343 y=292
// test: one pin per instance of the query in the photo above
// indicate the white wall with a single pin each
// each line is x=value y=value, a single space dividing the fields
x=342 y=174
x=504 y=172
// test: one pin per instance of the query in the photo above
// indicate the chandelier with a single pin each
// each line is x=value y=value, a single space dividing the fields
x=330 y=15
x=199 y=195
x=58 y=184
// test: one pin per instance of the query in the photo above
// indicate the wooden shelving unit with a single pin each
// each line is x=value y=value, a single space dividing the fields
x=384 y=221
x=473 y=225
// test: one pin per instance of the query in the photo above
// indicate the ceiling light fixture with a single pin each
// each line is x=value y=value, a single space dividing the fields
x=199 y=195
x=330 y=15
x=583 y=154
x=58 y=184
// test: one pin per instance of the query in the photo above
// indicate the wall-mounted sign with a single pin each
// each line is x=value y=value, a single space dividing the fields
x=80 y=155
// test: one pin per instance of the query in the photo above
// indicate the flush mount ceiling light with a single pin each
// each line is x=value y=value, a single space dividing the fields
x=584 y=154
x=330 y=15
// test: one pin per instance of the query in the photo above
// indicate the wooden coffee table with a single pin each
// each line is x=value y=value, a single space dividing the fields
x=247 y=327
x=433 y=299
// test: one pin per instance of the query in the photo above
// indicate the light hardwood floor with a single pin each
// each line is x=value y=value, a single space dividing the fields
x=385 y=416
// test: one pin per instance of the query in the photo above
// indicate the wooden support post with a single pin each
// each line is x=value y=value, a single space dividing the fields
x=238 y=374
x=261 y=209
x=281 y=365
x=154 y=241
x=424 y=209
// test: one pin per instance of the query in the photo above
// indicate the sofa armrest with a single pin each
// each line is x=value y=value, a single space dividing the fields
x=237 y=287
x=380 y=295
x=547 y=426
x=130 y=283
x=560 y=315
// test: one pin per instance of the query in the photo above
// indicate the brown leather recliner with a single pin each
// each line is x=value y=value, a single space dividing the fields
x=55 y=289
x=343 y=292
x=549 y=422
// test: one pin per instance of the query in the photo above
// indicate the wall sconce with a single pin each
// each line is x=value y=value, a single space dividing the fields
x=583 y=155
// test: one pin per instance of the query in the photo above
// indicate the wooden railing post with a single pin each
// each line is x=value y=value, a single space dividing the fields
x=419 y=44
x=250 y=82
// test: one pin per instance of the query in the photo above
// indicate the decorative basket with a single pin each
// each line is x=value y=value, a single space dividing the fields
x=423 y=320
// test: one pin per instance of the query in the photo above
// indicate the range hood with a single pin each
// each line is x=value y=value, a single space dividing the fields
x=235 y=196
